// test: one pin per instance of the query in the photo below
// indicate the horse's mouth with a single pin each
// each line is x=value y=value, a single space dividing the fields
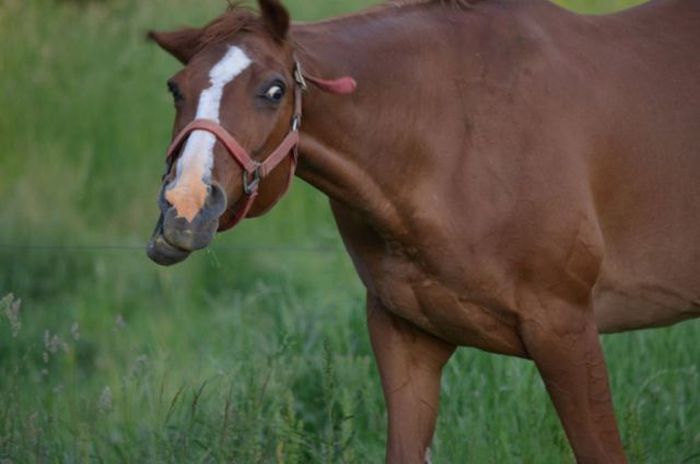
x=163 y=252
x=175 y=238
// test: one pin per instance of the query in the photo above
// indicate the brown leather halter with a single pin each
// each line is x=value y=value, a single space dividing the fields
x=255 y=171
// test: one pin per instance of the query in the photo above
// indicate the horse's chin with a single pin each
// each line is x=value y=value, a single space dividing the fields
x=163 y=253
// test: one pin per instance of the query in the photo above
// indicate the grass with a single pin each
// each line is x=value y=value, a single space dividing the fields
x=255 y=351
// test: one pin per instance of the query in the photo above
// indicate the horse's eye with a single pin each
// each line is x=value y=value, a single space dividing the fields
x=275 y=92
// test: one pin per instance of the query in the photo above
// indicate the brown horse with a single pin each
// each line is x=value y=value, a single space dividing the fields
x=507 y=175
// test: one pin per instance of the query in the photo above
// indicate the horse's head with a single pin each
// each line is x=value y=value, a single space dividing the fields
x=240 y=88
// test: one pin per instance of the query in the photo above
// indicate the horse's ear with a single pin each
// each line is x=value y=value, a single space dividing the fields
x=182 y=44
x=276 y=18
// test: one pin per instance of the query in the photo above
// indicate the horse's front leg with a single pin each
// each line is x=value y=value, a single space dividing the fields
x=562 y=339
x=410 y=365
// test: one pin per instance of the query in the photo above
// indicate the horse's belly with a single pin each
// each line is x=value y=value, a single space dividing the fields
x=640 y=305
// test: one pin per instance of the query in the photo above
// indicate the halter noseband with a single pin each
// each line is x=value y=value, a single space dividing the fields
x=253 y=171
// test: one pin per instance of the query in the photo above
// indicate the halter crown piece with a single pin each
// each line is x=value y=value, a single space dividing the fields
x=255 y=171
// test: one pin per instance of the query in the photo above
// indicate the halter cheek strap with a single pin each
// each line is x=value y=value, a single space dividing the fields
x=254 y=171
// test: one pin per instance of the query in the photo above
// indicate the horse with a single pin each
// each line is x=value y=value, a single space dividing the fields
x=506 y=175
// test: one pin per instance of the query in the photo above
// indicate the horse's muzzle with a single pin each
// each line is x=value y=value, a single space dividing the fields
x=174 y=237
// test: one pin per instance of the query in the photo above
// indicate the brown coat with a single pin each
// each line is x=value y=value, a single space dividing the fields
x=508 y=176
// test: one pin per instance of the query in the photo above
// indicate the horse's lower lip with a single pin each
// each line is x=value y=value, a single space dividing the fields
x=163 y=253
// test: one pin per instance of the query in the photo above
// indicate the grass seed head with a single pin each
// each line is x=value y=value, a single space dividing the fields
x=10 y=307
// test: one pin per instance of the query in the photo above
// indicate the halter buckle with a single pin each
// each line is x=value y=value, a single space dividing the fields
x=296 y=122
x=251 y=186
x=299 y=76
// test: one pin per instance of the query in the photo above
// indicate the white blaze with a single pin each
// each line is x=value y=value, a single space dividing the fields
x=197 y=158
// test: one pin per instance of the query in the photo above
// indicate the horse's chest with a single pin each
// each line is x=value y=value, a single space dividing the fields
x=403 y=288
x=422 y=297
x=433 y=294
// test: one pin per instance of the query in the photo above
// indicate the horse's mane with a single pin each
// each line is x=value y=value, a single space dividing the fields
x=457 y=3
x=240 y=17
x=389 y=4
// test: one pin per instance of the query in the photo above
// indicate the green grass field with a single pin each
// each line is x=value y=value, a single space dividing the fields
x=253 y=352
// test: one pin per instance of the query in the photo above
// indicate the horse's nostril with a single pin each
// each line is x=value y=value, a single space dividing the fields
x=163 y=203
x=216 y=201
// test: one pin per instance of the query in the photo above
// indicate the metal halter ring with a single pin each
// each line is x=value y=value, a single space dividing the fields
x=249 y=187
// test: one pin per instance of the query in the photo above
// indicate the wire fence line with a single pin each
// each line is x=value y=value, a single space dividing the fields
x=142 y=247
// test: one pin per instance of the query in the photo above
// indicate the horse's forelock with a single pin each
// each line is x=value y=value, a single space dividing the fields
x=237 y=18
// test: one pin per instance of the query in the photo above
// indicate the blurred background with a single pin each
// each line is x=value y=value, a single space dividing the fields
x=253 y=351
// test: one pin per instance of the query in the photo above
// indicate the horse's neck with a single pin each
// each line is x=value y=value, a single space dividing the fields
x=353 y=146
x=421 y=91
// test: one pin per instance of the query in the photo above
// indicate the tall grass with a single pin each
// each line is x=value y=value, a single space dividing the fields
x=255 y=351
